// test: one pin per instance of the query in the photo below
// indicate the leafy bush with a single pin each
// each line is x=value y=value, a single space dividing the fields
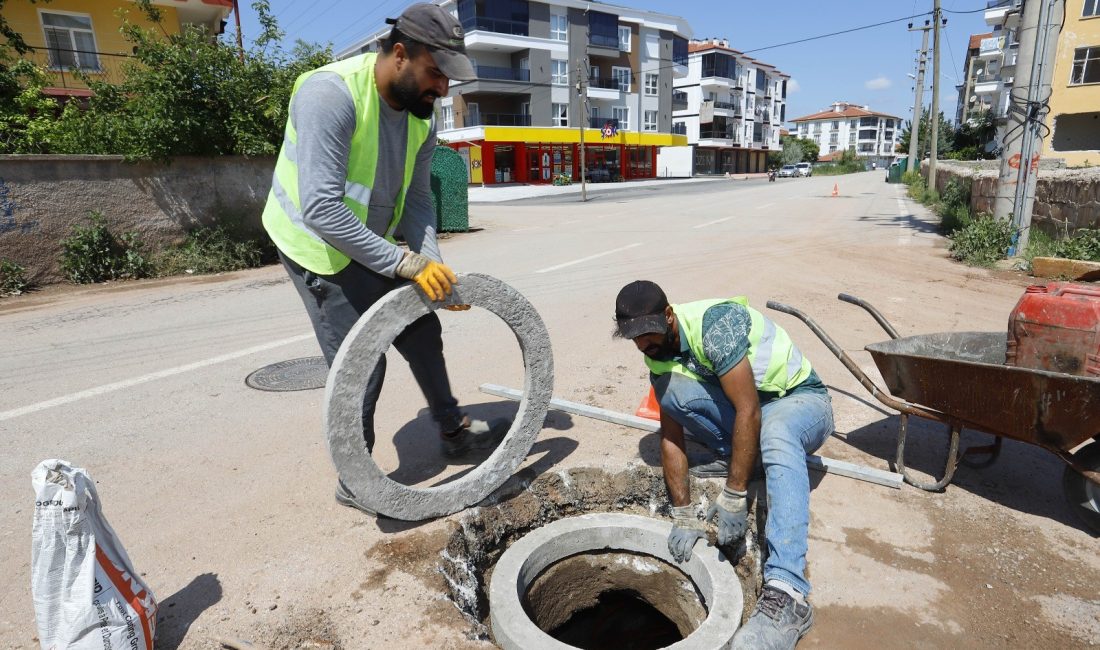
x=954 y=206
x=982 y=241
x=847 y=163
x=966 y=153
x=1083 y=245
x=13 y=278
x=93 y=254
x=216 y=249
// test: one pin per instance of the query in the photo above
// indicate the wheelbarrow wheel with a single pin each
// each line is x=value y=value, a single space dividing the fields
x=1082 y=494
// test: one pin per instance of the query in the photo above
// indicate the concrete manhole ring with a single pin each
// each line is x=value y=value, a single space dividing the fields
x=306 y=373
x=368 y=341
x=519 y=566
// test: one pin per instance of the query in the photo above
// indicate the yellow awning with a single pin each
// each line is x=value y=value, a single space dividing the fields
x=566 y=135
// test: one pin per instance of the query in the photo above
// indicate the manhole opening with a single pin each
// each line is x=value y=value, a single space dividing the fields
x=603 y=600
x=529 y=501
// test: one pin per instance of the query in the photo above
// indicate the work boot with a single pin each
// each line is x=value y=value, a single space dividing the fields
x=474 y=435
x=778 y=622
x=708 y=465
x=345 y=498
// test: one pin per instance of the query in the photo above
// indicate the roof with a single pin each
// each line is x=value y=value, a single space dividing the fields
x=850 y=111
x=696 y=47
x=976 y=40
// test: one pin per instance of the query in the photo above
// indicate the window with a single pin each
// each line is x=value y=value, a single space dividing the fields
x=716 y=64
x=1086 y=65
x=651 y=84
x=473 y=115
x=833 y=139
x=603 y=29
x=836 y=125
x=70 y=41
x=500 y=16
x=559 y=72
x=622 y=114
x=622 y=77
x=679 y=50
x=559 y=27
x=448 y=118
x=559 y=113
x=651 y=120
x=1091 y=8
x=624 y=38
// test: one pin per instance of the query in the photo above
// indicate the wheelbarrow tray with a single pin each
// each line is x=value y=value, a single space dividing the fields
x=963 y=376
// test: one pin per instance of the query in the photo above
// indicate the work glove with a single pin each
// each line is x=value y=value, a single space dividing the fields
x=732 y=508
x=434 y=278
x=686 y=530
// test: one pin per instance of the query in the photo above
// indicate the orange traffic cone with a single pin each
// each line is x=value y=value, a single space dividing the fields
x=649 y=408
x=836 y=189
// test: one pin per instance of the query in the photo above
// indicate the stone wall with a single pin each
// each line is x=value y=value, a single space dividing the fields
x=1065 y=199
x=43 y=197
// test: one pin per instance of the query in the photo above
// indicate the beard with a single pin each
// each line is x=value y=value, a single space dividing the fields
x=410 y=97
x=666 y=351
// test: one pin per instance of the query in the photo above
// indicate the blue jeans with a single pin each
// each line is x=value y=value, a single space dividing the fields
x=335 y=303
x=790 y=428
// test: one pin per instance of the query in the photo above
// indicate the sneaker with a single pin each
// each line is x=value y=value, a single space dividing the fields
x=345 y=498
x=778 y=622
x=708 y=465
x=474 y=435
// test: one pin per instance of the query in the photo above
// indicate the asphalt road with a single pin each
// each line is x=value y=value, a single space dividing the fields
x=223 y=494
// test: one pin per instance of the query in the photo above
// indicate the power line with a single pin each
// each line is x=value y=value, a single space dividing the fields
x=383 y=9
x=843 y=31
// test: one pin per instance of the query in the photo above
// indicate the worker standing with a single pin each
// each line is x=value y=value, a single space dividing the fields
x=731 y=379
x=354 y=172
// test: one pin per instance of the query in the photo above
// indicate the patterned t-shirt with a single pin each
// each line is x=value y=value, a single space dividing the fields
x=726 y=342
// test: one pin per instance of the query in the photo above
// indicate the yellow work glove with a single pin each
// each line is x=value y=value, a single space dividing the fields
x=434 y=278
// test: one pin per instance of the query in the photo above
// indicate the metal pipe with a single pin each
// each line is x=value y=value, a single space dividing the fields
x=870 y=310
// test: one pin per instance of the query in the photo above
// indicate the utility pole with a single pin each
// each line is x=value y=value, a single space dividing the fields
x=934 y=112
x=240 y=38
x=918 y=101
x=1022 y=132
x=582 y=93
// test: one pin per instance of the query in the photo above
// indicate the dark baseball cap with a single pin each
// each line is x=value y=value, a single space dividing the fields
x=433 y=26
x=640 y=309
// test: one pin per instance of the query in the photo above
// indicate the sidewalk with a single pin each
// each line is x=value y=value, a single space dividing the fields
x=515 y=191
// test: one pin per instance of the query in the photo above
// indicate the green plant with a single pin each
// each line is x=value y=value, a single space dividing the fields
x=563 y=179
x=13 y=278
x=215 y=249
x=93 y=254
x=982 y=241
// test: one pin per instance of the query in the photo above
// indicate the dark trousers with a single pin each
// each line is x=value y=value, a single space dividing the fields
x=335 y=303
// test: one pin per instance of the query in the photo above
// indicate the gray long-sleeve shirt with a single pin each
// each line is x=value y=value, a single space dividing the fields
x=323 y=114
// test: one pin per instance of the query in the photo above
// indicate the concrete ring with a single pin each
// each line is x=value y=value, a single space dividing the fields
x=365 y=344
x=527 y=558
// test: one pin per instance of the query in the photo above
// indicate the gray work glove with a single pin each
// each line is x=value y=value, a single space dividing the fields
x=732 y=508
x=686 y=530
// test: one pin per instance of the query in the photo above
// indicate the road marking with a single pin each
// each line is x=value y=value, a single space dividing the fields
x=711 y=223
x=160 y=374
x=588 y=259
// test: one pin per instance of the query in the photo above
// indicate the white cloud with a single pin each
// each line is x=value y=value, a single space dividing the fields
x=878 y=83
x=793 y=86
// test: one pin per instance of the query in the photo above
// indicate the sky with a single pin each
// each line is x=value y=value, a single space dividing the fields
x=867 y=67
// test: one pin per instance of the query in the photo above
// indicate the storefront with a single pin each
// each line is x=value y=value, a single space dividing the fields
x=727 y=160
x=540 y=155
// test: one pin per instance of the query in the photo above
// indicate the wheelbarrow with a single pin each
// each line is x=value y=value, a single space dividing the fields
x=961 y=380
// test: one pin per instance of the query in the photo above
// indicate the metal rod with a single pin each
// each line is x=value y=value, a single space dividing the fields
x=859 y=302
x=819 y=463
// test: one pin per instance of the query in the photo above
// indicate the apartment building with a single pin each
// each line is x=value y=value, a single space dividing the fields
x=874 y=136
x=1074 y=118
x=977 y=53
x=70 y=36
x=521 y=119
x=995 y=69
x=730 y=106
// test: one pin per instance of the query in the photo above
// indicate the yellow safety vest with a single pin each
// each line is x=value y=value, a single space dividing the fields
x=777 y=365
x=282 y=216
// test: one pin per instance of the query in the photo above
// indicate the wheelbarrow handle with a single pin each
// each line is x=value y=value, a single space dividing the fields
x=859 y=302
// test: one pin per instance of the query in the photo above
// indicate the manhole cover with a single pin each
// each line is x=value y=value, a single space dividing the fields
x=306 y=373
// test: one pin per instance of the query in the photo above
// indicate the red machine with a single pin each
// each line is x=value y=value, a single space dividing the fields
x=1056 y=327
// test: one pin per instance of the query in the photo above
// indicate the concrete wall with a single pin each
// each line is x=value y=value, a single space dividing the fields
x=675 y=162
x=1064 y=198
x=1073 y=117
x=43 y=197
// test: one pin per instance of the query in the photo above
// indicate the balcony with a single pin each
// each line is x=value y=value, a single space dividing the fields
x=601 y=122
x=728 y=106
x=991 y=48
x=500 y=119
x=495 y=25
x=679 y=128
x=71 y=70
x=604 y=89
x=679 y=101
x=502 y=74
x=997 y=10
x=988 y=83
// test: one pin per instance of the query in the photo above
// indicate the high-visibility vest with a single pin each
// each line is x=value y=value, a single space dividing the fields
x=777 y=365
x=282 y=216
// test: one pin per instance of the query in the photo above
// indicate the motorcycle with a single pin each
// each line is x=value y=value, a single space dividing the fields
x=771 y=175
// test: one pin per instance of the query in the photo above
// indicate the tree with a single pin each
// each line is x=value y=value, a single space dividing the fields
x=792 y=152
x=974 y=135
x=944 y=143
x=14 y=39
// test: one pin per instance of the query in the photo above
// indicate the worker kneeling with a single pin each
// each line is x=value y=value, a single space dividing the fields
x=728 y=377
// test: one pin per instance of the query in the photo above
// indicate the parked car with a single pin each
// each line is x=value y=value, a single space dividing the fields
x=805 y=169
x=598 y=175
x=788 y=171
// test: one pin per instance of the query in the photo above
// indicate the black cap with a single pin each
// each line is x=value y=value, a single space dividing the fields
x=640 y=309
x=441 y=32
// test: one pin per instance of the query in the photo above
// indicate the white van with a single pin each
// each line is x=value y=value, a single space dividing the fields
x=804 y=169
